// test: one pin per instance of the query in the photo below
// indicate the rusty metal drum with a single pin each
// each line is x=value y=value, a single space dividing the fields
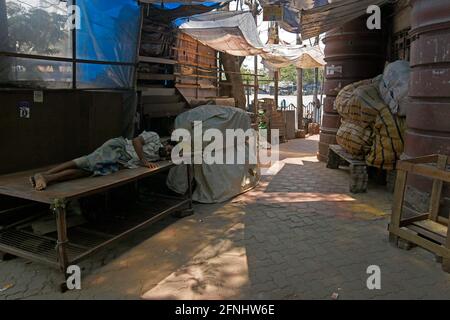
x=428 y=110
x=428 y=113
x=352 y=53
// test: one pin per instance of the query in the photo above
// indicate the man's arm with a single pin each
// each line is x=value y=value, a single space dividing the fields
x=138 y=142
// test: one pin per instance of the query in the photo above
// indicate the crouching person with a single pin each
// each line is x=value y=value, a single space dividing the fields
x=113 y=155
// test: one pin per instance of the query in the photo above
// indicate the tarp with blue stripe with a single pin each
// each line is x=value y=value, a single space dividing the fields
x=108 y=31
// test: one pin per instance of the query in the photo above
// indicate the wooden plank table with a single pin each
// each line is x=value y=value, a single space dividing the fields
x=57 y=195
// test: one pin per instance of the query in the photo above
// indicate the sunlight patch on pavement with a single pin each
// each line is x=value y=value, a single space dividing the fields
x=219 y=271
x=295 y=197
x=278 y=165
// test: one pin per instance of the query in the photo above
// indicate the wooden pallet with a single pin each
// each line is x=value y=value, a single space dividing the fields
x=429 y=230
x=358 y=169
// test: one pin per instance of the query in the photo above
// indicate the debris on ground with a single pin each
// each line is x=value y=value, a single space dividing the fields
x=335 y=295
x=6 y=287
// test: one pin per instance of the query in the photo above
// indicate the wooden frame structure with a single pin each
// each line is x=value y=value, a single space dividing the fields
x=427 y=230
x=67 y=247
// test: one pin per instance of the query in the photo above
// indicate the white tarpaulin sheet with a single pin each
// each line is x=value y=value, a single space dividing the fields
x=215 y=182
x=281 y=56
x=236 y=33
x=231 y=32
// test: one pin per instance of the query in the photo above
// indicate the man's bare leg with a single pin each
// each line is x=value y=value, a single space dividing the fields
x=59 y=168
x=43 y=179
x=62 y=167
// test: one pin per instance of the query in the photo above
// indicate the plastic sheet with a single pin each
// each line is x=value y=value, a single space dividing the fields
x=105 y=76
x=108 y=32
x=24 y=72
x=37 y=30
x=236 y=33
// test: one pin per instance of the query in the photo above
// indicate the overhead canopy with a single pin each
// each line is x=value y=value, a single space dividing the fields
x=291 y=11
x=184 y=2
x=321 y=19
x=235 y=33
x=166 y=11
x=310 y=18
x=281 y=56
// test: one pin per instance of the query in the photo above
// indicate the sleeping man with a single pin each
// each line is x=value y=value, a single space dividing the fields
x=113 y=155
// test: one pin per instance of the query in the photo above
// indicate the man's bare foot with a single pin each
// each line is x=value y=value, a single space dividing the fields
x=32 y=181
x=41 y=183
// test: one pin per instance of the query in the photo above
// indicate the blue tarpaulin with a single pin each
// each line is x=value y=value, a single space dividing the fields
x=106 y=41
x=109 y=32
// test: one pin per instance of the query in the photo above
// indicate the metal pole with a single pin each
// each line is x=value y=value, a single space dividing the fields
x=316 y=87
x=256 y=84
x=247 y=91
x=300 y=98
x=276 y=73
x=299 y=92
x=5 y=63
x=74 y=47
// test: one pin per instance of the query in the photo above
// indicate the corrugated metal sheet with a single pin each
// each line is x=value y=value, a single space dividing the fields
x=313 y=17
x=316 y=21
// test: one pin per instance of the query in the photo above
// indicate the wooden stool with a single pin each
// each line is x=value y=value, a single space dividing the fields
x=358 y=170
x=429 y=230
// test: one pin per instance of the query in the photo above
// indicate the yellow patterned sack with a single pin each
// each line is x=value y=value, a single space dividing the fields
x=346 y=105
x=360 y=101
x=370 y=102
x=388 y=143
x=354 y=138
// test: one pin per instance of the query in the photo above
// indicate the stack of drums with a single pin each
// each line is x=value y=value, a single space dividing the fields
x=353 y=53
x=428 y=111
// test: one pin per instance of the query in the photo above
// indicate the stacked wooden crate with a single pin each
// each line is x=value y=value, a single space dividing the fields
x=159 y=101
x=276 y=117
x=196 y=72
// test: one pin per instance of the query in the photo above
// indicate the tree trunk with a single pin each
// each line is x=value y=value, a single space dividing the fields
x=232 y=69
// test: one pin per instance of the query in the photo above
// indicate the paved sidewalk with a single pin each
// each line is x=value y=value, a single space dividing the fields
x=299 y=235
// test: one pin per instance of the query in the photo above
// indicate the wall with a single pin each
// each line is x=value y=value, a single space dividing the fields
x=402 y=16
x=66 y=125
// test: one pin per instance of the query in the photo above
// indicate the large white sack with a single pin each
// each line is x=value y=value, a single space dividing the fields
x=394 y=85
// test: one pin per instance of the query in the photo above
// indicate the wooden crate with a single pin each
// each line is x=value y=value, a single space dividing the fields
x=428 y=230
x=275 y=117
x=358 y=170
